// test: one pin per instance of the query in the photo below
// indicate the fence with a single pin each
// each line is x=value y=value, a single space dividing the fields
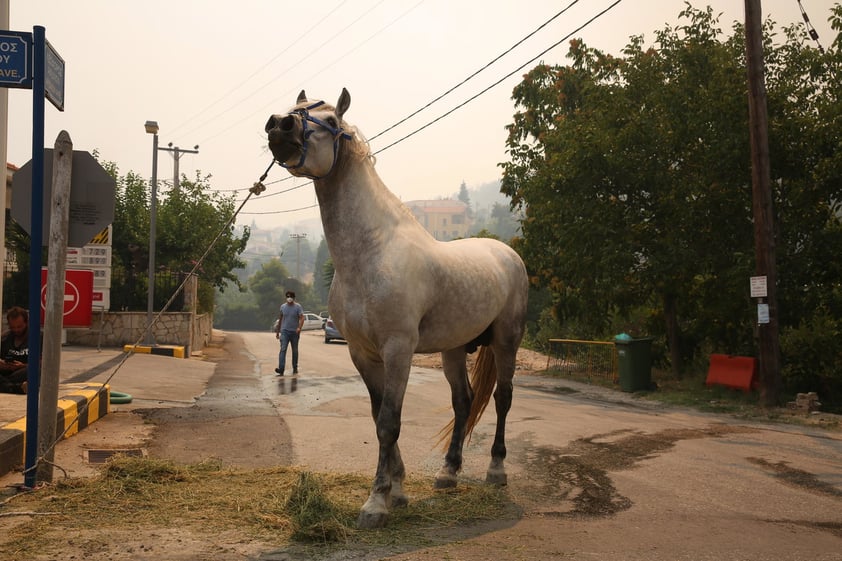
x=589 y=359
x=128 y=291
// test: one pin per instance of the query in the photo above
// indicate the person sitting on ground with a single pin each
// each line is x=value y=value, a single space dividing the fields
x=14 y=352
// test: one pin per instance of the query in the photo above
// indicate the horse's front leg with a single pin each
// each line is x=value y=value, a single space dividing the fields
x=386 y=384
x=456 y=372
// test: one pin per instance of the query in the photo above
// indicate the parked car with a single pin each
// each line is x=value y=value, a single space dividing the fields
x=311 y=321
x=332 y=332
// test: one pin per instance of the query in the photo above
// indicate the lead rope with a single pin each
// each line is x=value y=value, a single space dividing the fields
x=255 y=189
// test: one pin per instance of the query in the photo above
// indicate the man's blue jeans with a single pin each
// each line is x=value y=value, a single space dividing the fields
x=288 y=337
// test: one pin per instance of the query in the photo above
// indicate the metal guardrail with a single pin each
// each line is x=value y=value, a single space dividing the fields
x=590 y=359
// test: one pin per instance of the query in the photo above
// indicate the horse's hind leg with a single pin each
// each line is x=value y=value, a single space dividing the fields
x=504 y=358
x=455 y=370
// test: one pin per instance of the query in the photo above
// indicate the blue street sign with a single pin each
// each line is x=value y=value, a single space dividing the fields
x=15 y=59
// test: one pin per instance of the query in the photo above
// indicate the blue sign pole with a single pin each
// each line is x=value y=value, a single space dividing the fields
x=33 y=367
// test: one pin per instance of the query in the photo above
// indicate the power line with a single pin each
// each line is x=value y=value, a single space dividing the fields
x=495 y=59
x=347 y=53
x=309 y=54
x=261 y=68
x=814 y=35
x=498 y=82
x=475 y=96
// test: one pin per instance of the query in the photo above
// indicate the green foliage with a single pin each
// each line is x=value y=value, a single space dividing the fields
x=187 y=222
x=268 y=286
x=811 y=356
x=633 y=176
x=320 y=287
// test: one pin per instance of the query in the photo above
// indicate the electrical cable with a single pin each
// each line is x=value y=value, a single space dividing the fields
x=498 y=82
x=472 y=98
x=256 y=189
x=495 y=59
x=814 y=35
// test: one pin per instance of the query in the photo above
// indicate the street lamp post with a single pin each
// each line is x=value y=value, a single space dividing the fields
x=152 y=128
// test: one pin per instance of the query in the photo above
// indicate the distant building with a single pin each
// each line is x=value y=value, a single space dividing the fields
x=445 y=219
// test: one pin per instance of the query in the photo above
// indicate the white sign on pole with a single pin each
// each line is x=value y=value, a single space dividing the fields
x=758 y=287
x=762 y=313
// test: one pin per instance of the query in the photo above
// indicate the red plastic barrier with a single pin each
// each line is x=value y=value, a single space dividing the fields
x=738 y=372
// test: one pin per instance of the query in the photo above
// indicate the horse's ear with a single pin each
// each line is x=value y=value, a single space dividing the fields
x=343 y=104
x=302 y=97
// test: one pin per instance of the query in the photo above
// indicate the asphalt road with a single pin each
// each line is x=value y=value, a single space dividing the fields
x=597 y=474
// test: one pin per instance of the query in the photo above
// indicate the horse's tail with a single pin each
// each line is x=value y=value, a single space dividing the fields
x=483 y=380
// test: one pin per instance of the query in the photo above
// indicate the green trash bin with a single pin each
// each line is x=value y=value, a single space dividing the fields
x=634 y=357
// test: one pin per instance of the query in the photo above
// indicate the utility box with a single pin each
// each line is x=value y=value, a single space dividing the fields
x=634 y=358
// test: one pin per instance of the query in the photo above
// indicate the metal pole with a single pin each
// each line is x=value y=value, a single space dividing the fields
x=175 y=181
x=297 y=238
x=33 y=366
x=153 y=210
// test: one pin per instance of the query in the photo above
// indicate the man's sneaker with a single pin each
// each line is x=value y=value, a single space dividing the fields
x=279 y=372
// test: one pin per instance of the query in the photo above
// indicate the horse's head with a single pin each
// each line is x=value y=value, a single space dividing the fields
x=306 y=139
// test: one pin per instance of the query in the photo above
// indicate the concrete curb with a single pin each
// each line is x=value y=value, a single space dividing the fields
x=176 y=351
x=95 y=396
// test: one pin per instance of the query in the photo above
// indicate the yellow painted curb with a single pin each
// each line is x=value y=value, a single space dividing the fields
x=176 y=351
x=13 y=435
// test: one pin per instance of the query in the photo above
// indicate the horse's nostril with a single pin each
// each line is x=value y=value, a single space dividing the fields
x=271 y=123
x=287 y=123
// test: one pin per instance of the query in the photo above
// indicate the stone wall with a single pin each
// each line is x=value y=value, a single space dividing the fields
x=115 y=329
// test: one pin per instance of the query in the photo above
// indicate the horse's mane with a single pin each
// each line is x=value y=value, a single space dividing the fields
x=360 y=146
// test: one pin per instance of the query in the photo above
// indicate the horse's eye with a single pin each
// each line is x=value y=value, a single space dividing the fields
x=332 y=122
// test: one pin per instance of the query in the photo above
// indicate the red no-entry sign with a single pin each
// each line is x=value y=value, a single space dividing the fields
x=78 y=297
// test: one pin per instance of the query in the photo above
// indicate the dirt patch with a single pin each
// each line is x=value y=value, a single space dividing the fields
x=527 y=362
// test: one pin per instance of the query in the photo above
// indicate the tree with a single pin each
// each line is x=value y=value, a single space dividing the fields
x=465 y=198
x=188 y=221
x=633 y=173
x=268 y=286
x=320 y=287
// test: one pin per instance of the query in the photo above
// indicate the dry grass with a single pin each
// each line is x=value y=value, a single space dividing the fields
x=279 y=505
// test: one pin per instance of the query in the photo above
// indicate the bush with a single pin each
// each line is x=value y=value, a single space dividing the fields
x=811 y=358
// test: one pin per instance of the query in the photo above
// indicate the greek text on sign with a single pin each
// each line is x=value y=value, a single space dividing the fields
x=15 y=59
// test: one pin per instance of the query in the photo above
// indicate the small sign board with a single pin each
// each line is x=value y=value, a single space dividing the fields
x=762 y=314
x=758 y=287
x=78 y=297
x=15 y=59
x=54 y=77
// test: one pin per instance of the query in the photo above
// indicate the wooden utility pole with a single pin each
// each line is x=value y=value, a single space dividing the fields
x=764 y=220
x=54 y=309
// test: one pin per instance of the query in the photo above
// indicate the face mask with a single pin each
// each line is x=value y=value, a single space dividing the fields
x=289 y=300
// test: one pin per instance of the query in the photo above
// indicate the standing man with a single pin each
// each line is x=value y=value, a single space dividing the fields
x=290 y=322
x=14 y=351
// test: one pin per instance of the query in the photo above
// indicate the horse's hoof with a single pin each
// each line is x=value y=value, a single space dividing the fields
x=496 y=478
x=445 y=482
x=399 y=501
x=371 y=520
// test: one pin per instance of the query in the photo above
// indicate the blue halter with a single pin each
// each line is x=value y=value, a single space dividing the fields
x=337 y=133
